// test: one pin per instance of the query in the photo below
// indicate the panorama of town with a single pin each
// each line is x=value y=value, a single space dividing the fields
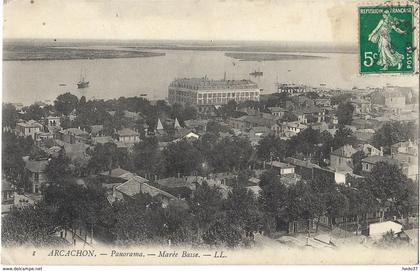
x=218 y=163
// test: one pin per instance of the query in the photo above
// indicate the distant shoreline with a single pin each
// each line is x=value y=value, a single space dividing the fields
x=270 y=56
x=40 y=53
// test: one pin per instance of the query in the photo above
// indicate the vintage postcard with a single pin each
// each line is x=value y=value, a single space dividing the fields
x=161 y=132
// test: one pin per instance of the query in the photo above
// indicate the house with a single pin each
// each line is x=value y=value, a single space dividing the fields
x=128 y=136
x=322 y=102
x=53 y=121
x=254 y=189
x=369 y=150
x=180 y=187
x=378 y=230
x=132 y=115
x=72 y=135
x=407 y=153
x=96 y=130
x=247 y=122
x=28 y=128
x=407 y=150
x=364 y=135
x=320 y=126
x=369 y=162
x=198 y=125
x=36 y=174
x=283 y=168
x=341 y=159
x=389 y=98
x=135 y=186
x=183 y=133
x=361 y=106
x=41 y=137
x=277 y=111
x=276 y=129
x=304 y=168
x=101 y=140
x=292 y=128
x=7 y=197
x=25 y=200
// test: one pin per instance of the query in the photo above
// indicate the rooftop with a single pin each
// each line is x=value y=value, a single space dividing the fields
x=29 y=124
x=74 y=131
x=208 y=84
x=345 y=151
x=281 y=165
x=301 y=163
x=115 y=173
x=376 y=158
x=127 y=132
x=36 y=166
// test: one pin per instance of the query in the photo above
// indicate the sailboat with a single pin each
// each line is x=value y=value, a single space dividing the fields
x=82 y=82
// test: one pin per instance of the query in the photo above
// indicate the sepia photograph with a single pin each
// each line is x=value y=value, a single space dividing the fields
x=200 y=132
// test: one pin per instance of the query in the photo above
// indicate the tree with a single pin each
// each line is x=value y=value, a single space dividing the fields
x=273 y=196
x=215 y=128
x=357 y=161
x=305 y=142
x=107 y=157
x=388 y=184
x=58 y=168
x=322 y=184
x=222 y=233
x=13 y=149
x=343 y=136
x=394 y=132
x=9 y=116
x=303 y=202
x=130 y=225
x=231 y=154
x=33 y=225
x=242 y=209
x=361 y=201
x=288 y=116
x=206 y=204
x=228 y=110
x=341 y=98
x=181 y=157
x=271 y=147
x=147 y=158
x=34 y=112
x=66 y=103
x=37 y=153
x=345 y=113
x=190 y=112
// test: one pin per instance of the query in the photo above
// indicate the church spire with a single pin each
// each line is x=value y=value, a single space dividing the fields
x=159 y=125
x=177 y=125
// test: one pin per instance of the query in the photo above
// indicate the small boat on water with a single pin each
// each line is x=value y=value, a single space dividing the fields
x=82 y=82
x=256 y=73
x=62 y=85
x=143 y=95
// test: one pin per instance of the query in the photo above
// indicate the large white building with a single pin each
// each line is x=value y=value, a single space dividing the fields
x=203 y=91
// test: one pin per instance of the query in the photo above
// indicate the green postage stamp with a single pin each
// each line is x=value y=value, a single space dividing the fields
x=386 y=39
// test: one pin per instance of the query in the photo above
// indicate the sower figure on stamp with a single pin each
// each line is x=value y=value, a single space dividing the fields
x=381 y=35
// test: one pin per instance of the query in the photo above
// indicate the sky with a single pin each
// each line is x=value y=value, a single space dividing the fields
x=329 y=21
